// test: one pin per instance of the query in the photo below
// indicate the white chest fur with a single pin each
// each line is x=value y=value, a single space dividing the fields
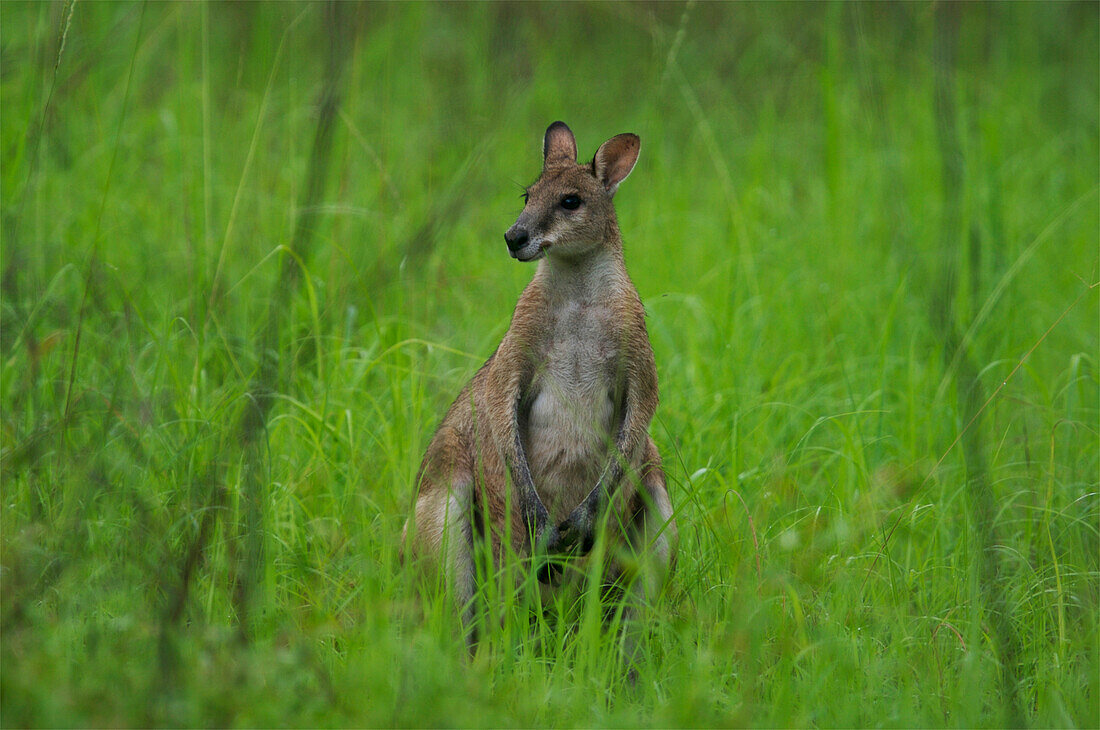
x=573 y=405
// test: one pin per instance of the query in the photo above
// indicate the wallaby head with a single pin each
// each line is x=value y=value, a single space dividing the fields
x=568 y=211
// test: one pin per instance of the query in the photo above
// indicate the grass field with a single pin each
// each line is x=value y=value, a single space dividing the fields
x=252 y=251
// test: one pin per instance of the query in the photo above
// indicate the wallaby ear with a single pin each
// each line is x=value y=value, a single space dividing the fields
x=615 y=159
x=558 y=144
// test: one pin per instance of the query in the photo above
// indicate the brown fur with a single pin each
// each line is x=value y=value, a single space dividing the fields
x=553 y=430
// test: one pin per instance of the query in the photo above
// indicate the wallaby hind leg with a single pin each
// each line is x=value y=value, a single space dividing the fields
x=654 y=527
x=444 y=538
x=653 y=539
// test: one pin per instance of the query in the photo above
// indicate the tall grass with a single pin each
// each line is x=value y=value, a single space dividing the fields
x=251 y=252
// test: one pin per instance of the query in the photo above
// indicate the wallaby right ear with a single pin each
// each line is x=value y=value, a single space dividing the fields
x=615 y=159
x=558 y=144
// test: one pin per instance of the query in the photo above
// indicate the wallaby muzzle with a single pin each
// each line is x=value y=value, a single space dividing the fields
x=516 y=238
x=520 y=244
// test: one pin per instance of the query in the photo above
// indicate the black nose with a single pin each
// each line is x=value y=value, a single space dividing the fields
x=516 y=238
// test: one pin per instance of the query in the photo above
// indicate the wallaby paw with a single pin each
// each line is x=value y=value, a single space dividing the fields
x=547 y=544
x=577 y=533
x=549 y=570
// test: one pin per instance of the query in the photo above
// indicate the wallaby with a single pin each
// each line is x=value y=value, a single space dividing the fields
x=551 y=435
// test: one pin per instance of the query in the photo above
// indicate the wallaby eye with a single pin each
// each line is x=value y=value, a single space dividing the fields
x=571 y=202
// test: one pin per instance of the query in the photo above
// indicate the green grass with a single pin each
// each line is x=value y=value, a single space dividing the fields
x=865 y=242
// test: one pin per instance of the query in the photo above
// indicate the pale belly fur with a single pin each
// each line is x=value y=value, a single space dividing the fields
x=573 y=410
x=567 y=442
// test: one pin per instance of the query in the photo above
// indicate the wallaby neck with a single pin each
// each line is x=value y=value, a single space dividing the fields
x=593 y=276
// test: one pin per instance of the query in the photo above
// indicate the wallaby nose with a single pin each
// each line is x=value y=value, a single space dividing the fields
x=516 y=238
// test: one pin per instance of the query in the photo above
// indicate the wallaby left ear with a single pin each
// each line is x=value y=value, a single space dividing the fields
x=615 y=159
x=558 y=145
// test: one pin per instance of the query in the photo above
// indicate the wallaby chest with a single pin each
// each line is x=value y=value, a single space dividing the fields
x=572 y=402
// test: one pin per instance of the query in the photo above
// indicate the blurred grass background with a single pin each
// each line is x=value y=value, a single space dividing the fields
x=251 y=252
